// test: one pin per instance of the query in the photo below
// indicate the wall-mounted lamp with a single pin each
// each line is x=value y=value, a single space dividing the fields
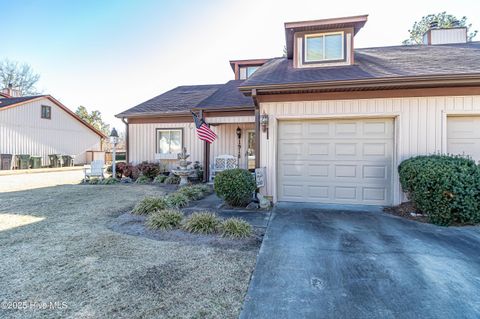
x=264 y=121
x=239 y=132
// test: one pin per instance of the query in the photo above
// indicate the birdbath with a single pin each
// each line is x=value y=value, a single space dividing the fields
x=183 y=171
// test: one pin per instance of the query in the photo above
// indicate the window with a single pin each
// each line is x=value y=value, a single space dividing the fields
x=324 y=47
x=46 y=112
x=247 y=71
x=169 y=142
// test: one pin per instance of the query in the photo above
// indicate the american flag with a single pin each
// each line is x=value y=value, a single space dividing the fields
x=203 y=131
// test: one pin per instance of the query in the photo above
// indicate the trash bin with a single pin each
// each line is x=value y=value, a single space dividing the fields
x=35 y=161
x=5 y=161
x=67 y=160
x=55 y=160
x=23 y=161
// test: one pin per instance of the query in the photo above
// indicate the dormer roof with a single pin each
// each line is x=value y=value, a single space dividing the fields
x=355 y=22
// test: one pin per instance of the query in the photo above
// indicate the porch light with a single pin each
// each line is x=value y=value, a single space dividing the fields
x=239 y=132
x=114 y=142
x=264 y=121
x=114 y=137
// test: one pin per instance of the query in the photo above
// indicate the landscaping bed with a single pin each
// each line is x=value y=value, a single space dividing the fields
x=67 y=251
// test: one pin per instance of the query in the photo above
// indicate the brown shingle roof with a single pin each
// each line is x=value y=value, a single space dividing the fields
x=376 y=63
x=182 y=99
x=14 y=100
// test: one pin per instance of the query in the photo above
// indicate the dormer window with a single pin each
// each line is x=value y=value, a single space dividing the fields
x=324 y=47
x=247 y=71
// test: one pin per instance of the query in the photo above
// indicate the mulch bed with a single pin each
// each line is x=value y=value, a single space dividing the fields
x=404 y=210
x=134 y=225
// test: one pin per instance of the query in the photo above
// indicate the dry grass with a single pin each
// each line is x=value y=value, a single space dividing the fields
x=71 y=256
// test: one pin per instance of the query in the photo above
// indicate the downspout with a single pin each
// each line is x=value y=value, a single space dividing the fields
x=257 y=128
x=127 y=151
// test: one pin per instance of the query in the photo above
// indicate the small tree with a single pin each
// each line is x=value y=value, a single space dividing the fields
x=20 y=76
x=443 y=20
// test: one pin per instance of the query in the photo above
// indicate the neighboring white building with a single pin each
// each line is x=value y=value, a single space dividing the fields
x=41 y=125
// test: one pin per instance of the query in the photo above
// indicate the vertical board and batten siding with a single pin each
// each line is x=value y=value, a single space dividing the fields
x=23 y=131
x=420 y=125
x=143 y=141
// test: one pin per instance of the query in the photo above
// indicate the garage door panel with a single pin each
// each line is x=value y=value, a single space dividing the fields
x=463 y=136
x=336 y=169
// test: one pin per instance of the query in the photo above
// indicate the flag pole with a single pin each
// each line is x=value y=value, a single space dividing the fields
x=206 y=155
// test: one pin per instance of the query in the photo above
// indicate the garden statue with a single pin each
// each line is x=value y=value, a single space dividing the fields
x=183 y=171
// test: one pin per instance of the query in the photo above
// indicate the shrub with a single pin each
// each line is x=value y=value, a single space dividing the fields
x=159 y=179
x=202 y=223
x=149 y=205
x=204 y=188
x=176 y=200
x=446 y=188
x=109 y=181
x=165 y=219
x=94 y=181
x=235 y=228
x=235 y=186
x=142 y=179
x=172 y=179
x=131 y=171
x=149 y=170
x=192 y=192
x=120 y=168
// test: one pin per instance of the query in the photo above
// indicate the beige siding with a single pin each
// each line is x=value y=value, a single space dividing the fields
x=22 y=131
x=142 y=140
x=420 y=124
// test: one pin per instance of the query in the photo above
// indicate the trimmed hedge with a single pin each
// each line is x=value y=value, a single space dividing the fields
x=446 y=188
x=235 y=186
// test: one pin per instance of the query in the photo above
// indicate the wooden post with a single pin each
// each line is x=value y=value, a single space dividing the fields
x=257 y=128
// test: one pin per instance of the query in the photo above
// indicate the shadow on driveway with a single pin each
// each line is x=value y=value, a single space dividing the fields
x=325 y=263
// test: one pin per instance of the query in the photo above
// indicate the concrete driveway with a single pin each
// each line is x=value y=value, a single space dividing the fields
x=317 y=262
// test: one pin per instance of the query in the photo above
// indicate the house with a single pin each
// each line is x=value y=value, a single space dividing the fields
x=330 y=123
x=41 y=125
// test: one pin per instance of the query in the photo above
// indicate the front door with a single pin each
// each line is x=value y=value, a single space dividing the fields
x=250 y=154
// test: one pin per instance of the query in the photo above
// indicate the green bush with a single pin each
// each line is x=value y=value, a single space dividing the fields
x=159 y=179
x=109 y=181
x=176 y=200
x=192 y=192
x=94 y=181
x=235 y=186
x=172 y=179
x=204 y=188
x=446 y=188
x=165 y=219
x=202 y=223
x=149 y=205
x=142 y=179
x=235 y=228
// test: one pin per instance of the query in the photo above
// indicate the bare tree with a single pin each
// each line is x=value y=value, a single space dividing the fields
x=20 y=76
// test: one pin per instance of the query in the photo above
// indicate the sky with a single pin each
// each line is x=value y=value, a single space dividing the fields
x=110 y=55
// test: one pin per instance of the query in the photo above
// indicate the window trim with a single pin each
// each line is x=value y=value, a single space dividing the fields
x=158 y=155
x=49 y=112
x=323 y=34
x=246 y=67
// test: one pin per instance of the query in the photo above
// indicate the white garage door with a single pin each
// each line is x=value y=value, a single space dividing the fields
x=463 y=136
x=336 y=161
